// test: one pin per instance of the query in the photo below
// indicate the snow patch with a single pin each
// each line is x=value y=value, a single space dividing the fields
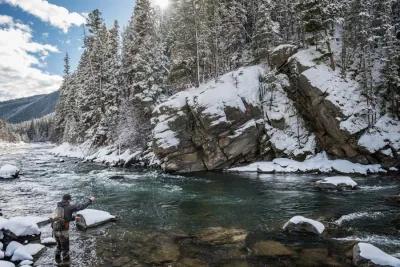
x=377 y=256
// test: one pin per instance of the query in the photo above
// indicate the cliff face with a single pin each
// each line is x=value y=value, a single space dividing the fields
x=6 y=133
x=250 y=115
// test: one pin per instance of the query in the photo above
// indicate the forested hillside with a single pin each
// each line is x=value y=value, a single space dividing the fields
x=111 y=98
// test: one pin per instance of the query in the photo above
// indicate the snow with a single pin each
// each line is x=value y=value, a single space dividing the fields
x=48 y=241
x=34 y=249
x=6 y=264
x=22 y=226
x=9 y=171
x=300 y=219
x=385 y=133
x=25 y=262
x=356 y=216
x=14 y=245
x=338 y=180
x=109 y=155
x=318 y=163
x=93 y=217
x=377 y=256
x=21 y=254
x=235 y=89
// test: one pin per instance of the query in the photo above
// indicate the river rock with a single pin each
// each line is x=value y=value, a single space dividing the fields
x=336 y=183
x=26 y=262
x=365 y=254
x=300 y=224
x=9 y=171
x=21 y=254
x=22 y=228
x=316 y=257
x=271 y=249
x=12 y=247
x=222 y=236
x=281 y=54
x=49 y=241
x=394 y=200
x=89 y=218
x=6 y=264
x=189 y=262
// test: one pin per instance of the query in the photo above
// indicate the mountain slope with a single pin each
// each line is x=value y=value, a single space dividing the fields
x=24 y=109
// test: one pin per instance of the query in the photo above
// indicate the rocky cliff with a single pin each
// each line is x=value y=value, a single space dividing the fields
x=254 y=114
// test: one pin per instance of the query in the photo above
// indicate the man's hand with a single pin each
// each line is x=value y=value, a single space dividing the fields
x=92 y=198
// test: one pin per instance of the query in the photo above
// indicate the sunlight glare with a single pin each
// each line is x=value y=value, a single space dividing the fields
x=163 y=4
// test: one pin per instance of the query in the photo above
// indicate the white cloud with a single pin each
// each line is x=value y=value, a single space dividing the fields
x=20 y=57
x=57 y=16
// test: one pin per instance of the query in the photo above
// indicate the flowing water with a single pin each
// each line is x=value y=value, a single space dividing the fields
x=150 y=202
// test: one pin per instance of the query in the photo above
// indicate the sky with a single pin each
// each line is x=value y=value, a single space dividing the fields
x=36 y=34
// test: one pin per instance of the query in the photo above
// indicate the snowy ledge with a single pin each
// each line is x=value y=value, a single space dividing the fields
x=317 y=164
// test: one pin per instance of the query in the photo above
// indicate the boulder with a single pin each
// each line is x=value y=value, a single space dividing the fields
x=9 y=171
x=300 y=224
x=365 y=254
x=14 y=245
x=21 y=254
x=281 y=54
x=89 y=218
x=222 y=236
x=271 y=249
x=21 y=227
x=6 y=264
x=336 y=183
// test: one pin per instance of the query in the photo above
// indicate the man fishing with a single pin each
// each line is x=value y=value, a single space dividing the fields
x=63 y=215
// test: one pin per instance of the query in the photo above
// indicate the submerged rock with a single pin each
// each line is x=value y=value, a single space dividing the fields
x=394 y=200
x=337 y=183
x=222 y=236
x=365 y=254
x=300 y=224
x=271 y=249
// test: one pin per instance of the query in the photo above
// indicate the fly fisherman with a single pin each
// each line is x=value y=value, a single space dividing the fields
x=63 y=215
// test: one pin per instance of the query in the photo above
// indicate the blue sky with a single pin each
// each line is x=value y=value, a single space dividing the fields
x=40 y=32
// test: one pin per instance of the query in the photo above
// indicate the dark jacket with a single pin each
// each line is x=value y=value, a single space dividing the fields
x=70 y=209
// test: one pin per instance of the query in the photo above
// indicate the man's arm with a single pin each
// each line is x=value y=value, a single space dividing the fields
x=82 y=206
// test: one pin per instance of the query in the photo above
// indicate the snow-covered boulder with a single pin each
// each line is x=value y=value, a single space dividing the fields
x=300 y=224
x=9 y=171
x=21 y=254
x=336 y=183
x=365 y=254
x=48 y=241
x=281 y=54
x=25 y=263
x=89 y=218
x=22 y=226
x=1 y=255
x=6 y=264
x=14 y=245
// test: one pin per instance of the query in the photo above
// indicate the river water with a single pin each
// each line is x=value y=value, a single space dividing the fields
x=150 y=204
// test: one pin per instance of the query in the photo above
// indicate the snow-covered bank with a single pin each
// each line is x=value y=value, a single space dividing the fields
x=110 y=155
x=317 y=164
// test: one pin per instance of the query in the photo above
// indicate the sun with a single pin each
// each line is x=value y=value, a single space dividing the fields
x=163 y=4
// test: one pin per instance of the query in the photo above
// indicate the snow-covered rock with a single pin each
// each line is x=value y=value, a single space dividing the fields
x=12 y=247
x=365 y=254
x=34 y=249
x=281 y=54
x=48 y=241
x=317 y=164
x=89 y=218
x=22 y=226
x=6 y=264
x=21 y=254
x=1 y=255
x=9 y=171
x=25 y=262
x=336 y=182
x=300 y=224
x=211 y=126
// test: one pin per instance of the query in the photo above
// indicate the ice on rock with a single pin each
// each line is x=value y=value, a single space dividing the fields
x=302 y=224
x=9 y=171
x=22 y=226
x=336 y=182
x=365 y=253
x=6 y=264
x=12 y=247
x=91 y=218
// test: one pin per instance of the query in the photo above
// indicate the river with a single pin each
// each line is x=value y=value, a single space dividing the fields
x=154 y=206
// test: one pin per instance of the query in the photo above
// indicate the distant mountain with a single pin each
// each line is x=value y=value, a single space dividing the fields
x=28 y=108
